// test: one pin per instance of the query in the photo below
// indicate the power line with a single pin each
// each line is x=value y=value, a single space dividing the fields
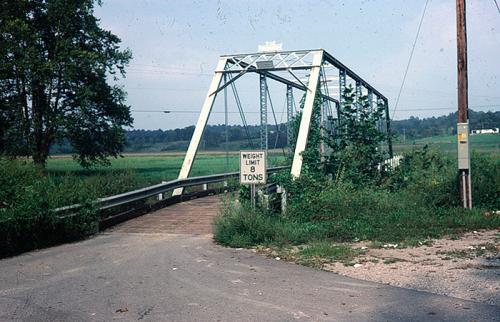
x=162 y=72
x=181 y=71
x=408 y=109
x=184 y=111
x=447 y=108
x=418 y=91
x=200 y=90
x=409 y=60
x=496 y=3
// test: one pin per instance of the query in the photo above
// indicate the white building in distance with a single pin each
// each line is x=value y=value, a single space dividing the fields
x=486 y=131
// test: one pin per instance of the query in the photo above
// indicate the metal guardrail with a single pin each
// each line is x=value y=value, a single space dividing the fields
x=143 y=193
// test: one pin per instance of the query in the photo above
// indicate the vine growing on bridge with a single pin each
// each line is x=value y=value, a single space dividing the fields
x=354 y=140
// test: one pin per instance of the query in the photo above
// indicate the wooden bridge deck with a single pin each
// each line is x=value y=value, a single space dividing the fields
x=194 y=217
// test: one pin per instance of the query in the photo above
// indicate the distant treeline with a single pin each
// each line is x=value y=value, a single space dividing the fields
x=416 y=128
x=214 y=136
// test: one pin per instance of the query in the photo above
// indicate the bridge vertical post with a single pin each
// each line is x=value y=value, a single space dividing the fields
x=322 y=123
x=388 y=128
x=226 y=129
x=370 y=99
x=263 y=113
x=283 y=201
x=289 y=115
x=201 y=124
x=336 y=125
x=307 y=112
x=359 y=93
x=342 y=88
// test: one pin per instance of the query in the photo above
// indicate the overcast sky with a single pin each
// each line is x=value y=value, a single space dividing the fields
x=176 y=44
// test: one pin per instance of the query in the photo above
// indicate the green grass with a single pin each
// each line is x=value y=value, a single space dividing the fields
x=318 y=252
x=182 y=145
x=152 y=168
x=477 y=251
x=342 y=215
x=416 y=202
x=485 y=143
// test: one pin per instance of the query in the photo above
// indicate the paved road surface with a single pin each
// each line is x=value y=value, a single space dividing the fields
x=136 y=271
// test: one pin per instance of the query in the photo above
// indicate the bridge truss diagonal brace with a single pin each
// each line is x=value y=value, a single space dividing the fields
x=201 y=124
x=307 y=111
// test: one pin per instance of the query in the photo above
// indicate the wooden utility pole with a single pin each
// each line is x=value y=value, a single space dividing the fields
x=464 y=175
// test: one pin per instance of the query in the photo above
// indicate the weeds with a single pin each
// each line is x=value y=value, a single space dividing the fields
x=393 y=260
x=472 y=252
x=28 y=196
x=456 y=254
x=320 y=251
x=409 y=207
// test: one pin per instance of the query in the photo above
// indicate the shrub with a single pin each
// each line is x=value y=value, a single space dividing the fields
x=28 y=196
x=433 y=176
x=238 y=225
x=429 y=174
x=380 y=215
x=417 y=201
x=485 y=174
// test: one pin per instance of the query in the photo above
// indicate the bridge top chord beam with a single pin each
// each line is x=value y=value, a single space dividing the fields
x=287 y=60
x=269 y=74
x=335 y=62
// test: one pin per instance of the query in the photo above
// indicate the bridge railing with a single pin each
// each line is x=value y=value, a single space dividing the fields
x=154 y=190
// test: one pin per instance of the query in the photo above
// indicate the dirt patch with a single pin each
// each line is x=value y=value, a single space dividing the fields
x=467 y=267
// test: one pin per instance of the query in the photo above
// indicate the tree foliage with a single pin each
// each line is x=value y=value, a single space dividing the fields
x=416 y=128
x=214 y=138
x=356 y=140
x=352 y=142
x=55 y=60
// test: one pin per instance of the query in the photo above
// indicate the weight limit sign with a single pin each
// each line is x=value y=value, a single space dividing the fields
x=253 y=167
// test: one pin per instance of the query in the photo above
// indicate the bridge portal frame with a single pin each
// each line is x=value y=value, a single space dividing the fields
x=322 y=68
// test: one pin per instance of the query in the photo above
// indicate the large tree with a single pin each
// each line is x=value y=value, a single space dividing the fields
x=58 y=73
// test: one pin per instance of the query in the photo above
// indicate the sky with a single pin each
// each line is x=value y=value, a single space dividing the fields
x=176 y=44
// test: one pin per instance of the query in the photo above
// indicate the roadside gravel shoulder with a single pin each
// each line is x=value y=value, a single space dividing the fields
x=467 y=267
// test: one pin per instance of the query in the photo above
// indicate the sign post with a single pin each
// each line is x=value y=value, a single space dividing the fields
x=253 y=170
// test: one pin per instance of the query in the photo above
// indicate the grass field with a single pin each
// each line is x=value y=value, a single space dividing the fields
x=151 y=168
x=154 y=168
x=485 y=143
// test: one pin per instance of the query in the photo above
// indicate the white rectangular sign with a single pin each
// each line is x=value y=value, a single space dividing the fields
x=253 y=167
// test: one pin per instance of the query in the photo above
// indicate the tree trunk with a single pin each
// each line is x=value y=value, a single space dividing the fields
x=40 y=135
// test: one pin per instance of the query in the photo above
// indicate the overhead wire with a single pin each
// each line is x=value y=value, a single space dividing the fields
x=410 y=58
x=416 y=91
x=416 y=108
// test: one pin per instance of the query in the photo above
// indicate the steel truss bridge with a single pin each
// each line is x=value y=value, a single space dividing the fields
x=314 y=72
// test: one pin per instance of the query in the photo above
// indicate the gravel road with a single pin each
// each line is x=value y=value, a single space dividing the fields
x=172 y=277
